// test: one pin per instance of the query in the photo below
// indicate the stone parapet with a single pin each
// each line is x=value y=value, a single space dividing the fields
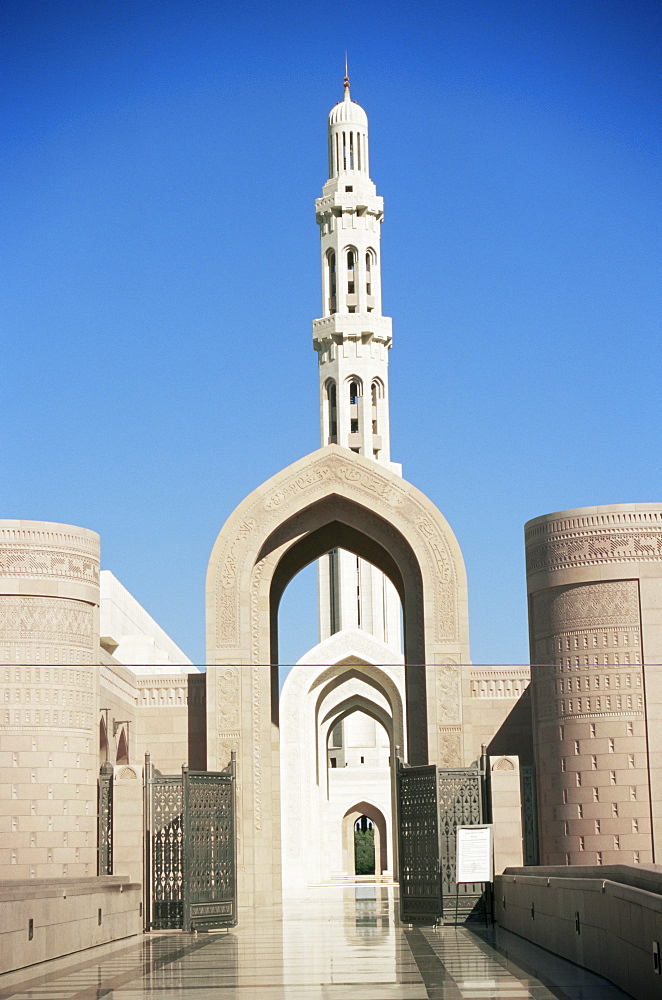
x=42 y=919
x=607 y=918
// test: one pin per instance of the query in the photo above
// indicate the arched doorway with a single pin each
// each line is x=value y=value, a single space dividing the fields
x=331 y=499
x=367 y=817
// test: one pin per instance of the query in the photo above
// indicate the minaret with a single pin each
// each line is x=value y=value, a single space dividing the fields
x=352 y=340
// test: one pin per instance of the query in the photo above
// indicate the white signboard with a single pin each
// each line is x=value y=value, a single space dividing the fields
x=474 y=854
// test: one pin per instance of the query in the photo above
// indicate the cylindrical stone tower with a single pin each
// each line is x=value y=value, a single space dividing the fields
x=594 y=579
x=49 y=648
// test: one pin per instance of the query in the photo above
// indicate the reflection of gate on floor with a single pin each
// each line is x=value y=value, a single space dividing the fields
x=432 y=803
x=190 y=856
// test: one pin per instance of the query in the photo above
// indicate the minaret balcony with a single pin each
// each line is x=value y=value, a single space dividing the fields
x=349 y=201
x=353 y=326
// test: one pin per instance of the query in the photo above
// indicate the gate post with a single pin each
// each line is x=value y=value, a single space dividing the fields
x=147 y=844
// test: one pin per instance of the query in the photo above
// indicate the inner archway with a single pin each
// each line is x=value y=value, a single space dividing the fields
x=341 y=726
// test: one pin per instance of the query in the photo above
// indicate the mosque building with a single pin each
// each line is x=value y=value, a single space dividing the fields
x=91 y=683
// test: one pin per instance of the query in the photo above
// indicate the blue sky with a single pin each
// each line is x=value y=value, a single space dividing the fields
x=160 y=270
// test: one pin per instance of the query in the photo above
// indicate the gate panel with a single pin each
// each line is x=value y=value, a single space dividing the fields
x=105 y=821
x=460 y=804
x=418 y=828
x=209 y=849
x=167 y=854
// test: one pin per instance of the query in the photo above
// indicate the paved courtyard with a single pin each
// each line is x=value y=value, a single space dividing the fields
x=331 y=944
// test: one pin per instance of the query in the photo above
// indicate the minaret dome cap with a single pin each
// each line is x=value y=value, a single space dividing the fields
x=348 y=112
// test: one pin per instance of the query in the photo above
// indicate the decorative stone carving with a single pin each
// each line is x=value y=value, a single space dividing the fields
x=591 y=539
x=43 y=619
x=586 y=606
x=449 y=746
x=498 y=682
x=503 y=764
x=228 y=706
x=448 y=692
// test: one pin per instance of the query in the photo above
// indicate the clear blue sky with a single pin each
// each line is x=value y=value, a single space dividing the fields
x=160 y=265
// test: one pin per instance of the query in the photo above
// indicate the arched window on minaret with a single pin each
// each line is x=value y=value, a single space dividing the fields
x=377 y=395
x=332 y=411
x=351 y=280
x=331 y=281
x=355 y=391
x=369 y=267
x=374 y=392
x=351 y=150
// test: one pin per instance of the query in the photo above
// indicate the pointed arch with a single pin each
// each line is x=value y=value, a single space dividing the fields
x=371 y=812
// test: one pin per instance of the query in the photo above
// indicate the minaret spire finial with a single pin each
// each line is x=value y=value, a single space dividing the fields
x=346 y=84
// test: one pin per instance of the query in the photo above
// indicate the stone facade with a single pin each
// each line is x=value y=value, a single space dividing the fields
x=595 y=612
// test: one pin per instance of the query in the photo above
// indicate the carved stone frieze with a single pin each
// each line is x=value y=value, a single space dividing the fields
x=45 y=619
x=585 y=606
x=591 y=539
x=498 y=682
x=69 y=564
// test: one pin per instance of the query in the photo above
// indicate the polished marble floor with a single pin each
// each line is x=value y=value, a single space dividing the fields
x=336 y=943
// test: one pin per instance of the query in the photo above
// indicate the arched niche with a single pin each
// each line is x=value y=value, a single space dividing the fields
x=331 y=499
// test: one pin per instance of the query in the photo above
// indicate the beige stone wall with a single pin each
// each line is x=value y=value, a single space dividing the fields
x=49 y=608
x=496 y=711
x=162 y=708
x=595 y=620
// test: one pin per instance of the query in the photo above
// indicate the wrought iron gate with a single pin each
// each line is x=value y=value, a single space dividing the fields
x=105 y=821
x=190 y=849
x=432 y=803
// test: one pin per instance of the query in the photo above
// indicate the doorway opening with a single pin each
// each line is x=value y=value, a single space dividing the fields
x=364 y=846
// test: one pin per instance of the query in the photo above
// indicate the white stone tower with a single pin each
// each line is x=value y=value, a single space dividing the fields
x=352 y=339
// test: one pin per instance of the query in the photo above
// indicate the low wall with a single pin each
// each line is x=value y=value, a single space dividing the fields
x=607 y=919
x=42 y=919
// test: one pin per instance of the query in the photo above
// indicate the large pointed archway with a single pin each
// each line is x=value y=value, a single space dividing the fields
x=330 y=499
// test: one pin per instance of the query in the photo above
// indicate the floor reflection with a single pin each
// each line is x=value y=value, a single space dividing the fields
x=330 y=943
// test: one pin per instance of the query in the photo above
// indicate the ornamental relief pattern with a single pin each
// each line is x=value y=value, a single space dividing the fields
x=69 y=564
x=44 y=619
x=585 y=606
x=448 y=693
x=449 y=746
x=227 y=699
x=384 y=497
x=587 y=548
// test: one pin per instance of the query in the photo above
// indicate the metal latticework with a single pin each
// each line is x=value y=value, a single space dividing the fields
x=105 y=821
x=460 y=804
x=529 y=814
x=191 y=857
x=420 y=890
x=432 y=803
x=210 y=857
x=167 y=855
